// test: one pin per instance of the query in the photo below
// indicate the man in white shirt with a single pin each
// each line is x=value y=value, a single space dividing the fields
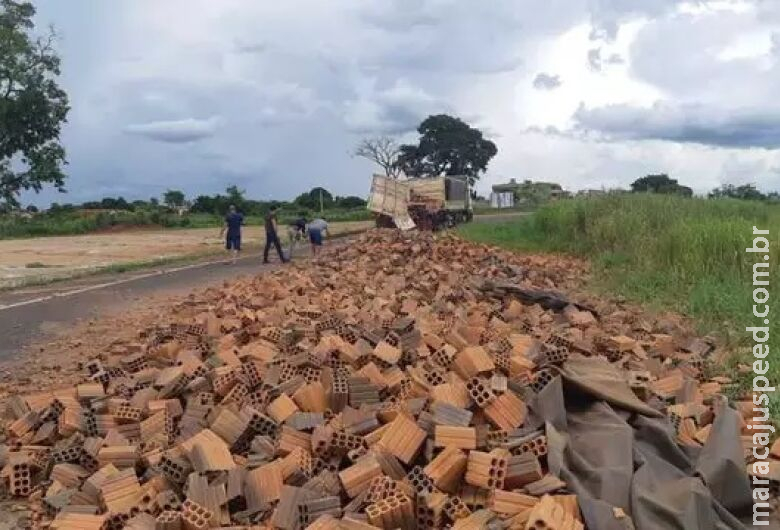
x=316 y=229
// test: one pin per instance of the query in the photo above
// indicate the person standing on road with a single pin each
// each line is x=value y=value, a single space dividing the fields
x=317 y=228
x=233 y=223
x=272 y=235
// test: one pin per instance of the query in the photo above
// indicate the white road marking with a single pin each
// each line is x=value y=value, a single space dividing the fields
x=139 y=277
x=115 y=282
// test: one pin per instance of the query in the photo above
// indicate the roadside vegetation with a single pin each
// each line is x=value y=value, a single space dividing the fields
x=173 y=212
x=667 y=252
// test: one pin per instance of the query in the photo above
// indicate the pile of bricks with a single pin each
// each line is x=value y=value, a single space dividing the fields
x=381 y=388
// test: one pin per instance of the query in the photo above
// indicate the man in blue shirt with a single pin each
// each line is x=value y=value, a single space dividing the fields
x=233 y=223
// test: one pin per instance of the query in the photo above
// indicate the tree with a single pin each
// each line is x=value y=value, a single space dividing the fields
x=660 y=183
x=350 y=202
x=384 y=151
x=203 y=204
x=746 y=192
x=447 y=146
x=173 y=198
x=235 y=196
x=314 y=199
x=32 y=106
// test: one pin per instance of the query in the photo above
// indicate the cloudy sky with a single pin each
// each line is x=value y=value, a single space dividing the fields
x=273 y=96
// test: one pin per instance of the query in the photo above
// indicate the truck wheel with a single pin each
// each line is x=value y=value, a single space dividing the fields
x=384 y=221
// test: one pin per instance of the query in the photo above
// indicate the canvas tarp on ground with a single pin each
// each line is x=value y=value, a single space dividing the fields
x=614 y=451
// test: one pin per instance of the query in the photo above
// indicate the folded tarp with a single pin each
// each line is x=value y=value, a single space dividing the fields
x=621 y=458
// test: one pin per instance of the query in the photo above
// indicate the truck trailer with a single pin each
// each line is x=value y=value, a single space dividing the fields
x=426 y=203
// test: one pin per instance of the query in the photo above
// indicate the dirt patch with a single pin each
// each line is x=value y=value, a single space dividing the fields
x=67 y=256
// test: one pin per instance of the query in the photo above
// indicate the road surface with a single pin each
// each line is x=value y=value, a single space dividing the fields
x=31 y=315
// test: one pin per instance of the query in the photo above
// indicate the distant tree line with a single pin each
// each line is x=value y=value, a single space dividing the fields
x=746 y=192
x=312 y=200
x=173 y=200
x=662 y=183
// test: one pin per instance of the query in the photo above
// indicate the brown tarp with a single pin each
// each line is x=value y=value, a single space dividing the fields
x=614 y=451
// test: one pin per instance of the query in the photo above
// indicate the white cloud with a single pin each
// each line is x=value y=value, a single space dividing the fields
x=296 y=84
x=179 y=131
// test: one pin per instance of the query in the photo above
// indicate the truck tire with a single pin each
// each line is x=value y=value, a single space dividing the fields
x=384 y=221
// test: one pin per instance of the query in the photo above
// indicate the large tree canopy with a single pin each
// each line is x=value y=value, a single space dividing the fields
x=32 y=106
x=660 y=184
x=174 y=198
x=447 y=146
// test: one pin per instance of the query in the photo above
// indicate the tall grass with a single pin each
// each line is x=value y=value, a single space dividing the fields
x=687 y=254
x=668 y=252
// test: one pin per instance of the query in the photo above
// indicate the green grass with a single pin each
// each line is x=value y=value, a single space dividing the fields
x=482 y=209
x=665 y=252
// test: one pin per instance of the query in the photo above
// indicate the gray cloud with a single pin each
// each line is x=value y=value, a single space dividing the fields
x=685 y=123
x=607 y=15
x=463 y=36
x=594 y=59
x=179 y=131
x=545 y=81
x=395 y=110
x=250 y=47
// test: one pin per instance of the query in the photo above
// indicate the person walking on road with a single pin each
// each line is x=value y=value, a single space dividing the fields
x=317 y=228
x=272 y=235
x=233 y=223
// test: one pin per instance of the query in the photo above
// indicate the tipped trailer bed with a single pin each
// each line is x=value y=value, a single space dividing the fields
x=426 y=203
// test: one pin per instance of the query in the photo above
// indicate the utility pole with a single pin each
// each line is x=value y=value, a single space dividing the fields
x=322 y=209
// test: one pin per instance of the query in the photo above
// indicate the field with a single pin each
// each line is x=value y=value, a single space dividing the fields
x=75 y=222
x=26 y=261
x=666 y=252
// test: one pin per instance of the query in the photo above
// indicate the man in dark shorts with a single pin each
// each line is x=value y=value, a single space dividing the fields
x=233 y=223
x=317 y=228
x=272 y=236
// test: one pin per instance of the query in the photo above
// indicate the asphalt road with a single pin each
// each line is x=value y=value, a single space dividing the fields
x=31 y=315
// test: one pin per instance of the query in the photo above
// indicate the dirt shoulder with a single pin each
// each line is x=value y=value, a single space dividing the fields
x=37 y=260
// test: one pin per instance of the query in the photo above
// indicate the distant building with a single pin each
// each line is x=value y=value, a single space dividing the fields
x=531 y=192
x=504 y=199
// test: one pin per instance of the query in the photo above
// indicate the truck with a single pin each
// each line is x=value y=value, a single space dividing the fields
x=430 y=203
